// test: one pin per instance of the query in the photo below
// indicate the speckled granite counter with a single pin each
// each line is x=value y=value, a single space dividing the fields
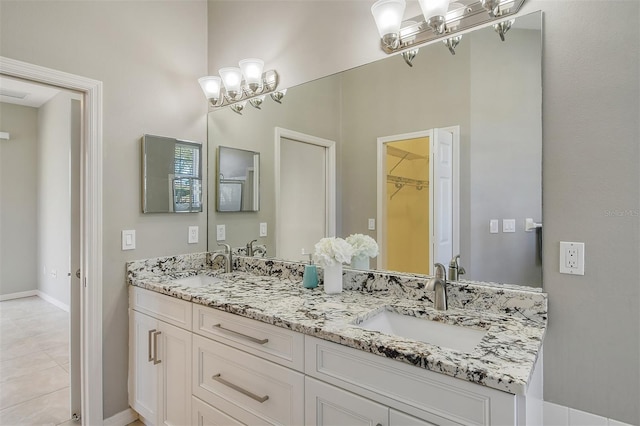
x=271 y=291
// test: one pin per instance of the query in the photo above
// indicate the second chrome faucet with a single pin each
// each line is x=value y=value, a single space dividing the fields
x=439 y=285
x=227 y=256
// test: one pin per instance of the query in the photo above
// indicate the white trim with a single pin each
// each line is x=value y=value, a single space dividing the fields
x=91 y=224
x=19 y=295
x=54 y=302
x=330 y=156
x=122 y=418
x=381 y=192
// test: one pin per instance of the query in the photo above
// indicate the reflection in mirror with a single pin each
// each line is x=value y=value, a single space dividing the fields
x=238 y=180
x=489 y=90
x=171 y=175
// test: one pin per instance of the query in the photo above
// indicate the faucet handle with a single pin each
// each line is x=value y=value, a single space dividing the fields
x=440 y=271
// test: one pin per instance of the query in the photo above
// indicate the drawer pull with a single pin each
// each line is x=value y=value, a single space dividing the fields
x=237 y=388
x=252 y=339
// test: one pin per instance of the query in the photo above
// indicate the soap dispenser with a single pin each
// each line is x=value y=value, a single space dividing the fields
x=310 y=277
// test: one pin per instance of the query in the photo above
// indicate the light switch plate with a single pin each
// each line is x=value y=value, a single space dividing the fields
x=372 y=224
x=263 y=229
x=493 y=226
x=128 y=239
x=193 y=234
x=571 y=258
x=508 y=225
x=221 y=232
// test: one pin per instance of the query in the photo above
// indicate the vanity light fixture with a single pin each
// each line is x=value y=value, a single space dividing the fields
x=439 y=19
x=237 y=85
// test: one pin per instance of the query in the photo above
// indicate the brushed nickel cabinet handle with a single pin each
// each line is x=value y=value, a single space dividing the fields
x=237 y=388
x=150 y=353
x=155 y=348
x=244 y=336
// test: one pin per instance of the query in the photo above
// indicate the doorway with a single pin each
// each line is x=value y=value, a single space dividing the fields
x=418 y=199
x=90 y=202
x=305 y=181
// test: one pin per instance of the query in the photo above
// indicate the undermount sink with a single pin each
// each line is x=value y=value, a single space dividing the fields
x=196 y=281
x=437 y=333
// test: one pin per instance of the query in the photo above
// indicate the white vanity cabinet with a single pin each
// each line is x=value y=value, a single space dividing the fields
x=160 y=358
x=238 y=369
x=414 y=396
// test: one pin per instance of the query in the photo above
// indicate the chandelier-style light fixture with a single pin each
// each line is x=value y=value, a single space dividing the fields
x=439 y=19
x=235 y=86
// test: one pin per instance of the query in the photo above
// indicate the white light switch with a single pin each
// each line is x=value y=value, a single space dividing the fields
x=493 y=226
x=193 y=234
x=571 y=258
x=221 y=233
x=128 y=239
x=508 y=225
x=372 y=224
x=263 y=229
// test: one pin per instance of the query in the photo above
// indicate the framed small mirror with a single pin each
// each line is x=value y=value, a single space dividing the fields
x=238 y=180
x=171 y=175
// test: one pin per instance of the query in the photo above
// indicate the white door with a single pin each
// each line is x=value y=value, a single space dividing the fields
x=305 y=192
x=442 y=236
x=327 y=405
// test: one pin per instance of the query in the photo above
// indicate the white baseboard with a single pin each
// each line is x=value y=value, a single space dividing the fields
x=123 y=418
x=54 y=302
x=18 y=295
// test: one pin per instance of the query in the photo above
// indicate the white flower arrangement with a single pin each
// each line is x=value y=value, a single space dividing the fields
x=363 y=245
x=331 y=251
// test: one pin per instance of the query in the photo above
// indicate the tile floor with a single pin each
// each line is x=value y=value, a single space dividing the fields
x=34 y=363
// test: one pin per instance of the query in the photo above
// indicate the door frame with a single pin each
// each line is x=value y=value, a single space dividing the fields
x=330 y=177
x=381 y=192
x=90 y=224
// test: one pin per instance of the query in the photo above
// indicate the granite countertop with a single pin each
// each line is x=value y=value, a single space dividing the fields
x=503 y=360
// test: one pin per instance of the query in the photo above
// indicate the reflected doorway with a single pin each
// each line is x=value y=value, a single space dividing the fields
x=418 y=199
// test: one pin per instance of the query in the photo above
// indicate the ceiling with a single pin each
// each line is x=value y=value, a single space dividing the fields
x=20 y=92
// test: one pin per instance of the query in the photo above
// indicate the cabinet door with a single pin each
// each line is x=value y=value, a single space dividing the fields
x=143 y=376
x=174 y=362
x=327 y=405
x=397 y=418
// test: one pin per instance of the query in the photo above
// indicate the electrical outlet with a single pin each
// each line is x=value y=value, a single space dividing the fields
x=571 y=258
x=193 y=234
x=263 y=229
x=372 y=224
x=221 y=233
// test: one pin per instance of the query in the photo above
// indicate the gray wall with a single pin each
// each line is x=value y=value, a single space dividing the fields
x=18 y=203
x=55 y=134
x=590 y=167
x=149 y=55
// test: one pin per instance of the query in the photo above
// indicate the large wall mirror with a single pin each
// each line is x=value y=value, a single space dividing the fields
x=389 y=122
x=171 y=175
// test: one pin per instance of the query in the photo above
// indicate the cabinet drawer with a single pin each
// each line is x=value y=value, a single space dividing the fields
x=249 y=389
x=284 y=347
x=165 y=308
x=396 y=384
x=205 y=415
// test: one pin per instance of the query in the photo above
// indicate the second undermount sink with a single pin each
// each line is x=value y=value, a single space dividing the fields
x=437 y=333
x=196 y=281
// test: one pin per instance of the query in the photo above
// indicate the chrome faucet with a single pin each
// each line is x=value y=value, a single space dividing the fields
x=226 y=255
x=249 y=251
x=455 y=270
x=439 y=285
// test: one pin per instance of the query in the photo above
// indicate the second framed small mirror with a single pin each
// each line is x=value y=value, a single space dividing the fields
x=238 y=182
